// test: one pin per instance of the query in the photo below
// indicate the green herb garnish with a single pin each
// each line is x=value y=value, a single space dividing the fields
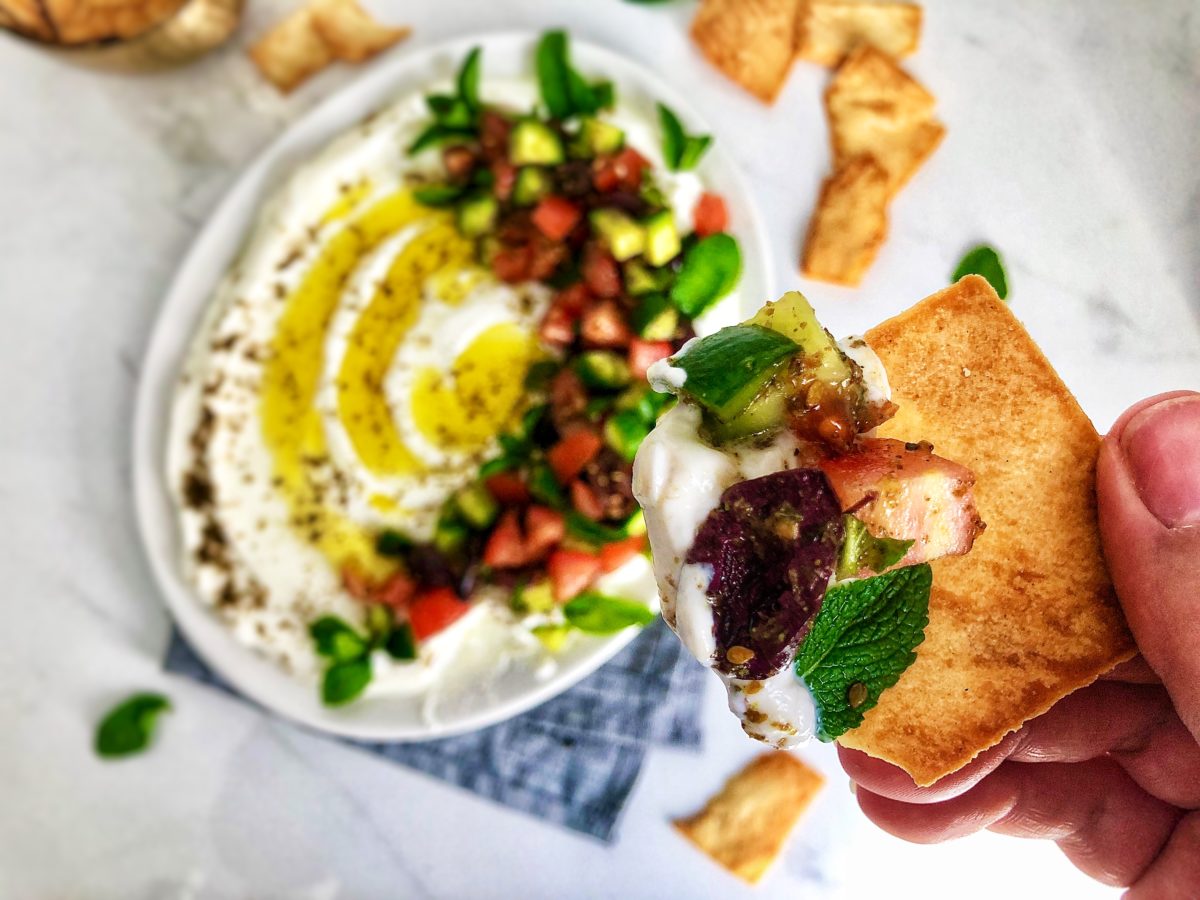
x=984 y=260
x=455 y=117
x=861 y=642
x=345 y=681
x=349 y=653
x=711 y=268
x=468 y=78
x=682 y=151
x=129 y=725
x=597 y=613
x=335 y=640
x=862 y=550
x=565 y=92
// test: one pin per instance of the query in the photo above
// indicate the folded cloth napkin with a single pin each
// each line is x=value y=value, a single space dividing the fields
x=574 y=759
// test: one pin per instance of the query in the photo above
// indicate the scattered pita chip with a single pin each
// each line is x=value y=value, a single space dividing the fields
x=27 y=17
x=350 y=32
x=849 y=225
x=876 y=108
x=77 y=22
x=829 y=29
x=292 y=51
x=745 y=826
x=751 y=41
x=1029 y=615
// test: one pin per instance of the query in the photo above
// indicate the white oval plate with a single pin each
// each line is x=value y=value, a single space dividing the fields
x=211 y=255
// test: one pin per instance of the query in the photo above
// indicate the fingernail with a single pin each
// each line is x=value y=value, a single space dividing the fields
x=853 y=787
x=1162 y=447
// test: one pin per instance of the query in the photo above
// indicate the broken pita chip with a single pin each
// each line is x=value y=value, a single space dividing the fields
x=81 y=22
x=875 y=108
x=751 y=41
x=292 y=51
x=28 y=17
x=849 y=225
x=829 y=29
x=746 y=825
x=351 y=33
x=1029 y=615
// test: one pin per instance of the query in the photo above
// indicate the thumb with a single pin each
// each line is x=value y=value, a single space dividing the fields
x=1148 y=489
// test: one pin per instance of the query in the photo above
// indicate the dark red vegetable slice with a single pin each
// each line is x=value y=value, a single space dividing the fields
x=773 y=545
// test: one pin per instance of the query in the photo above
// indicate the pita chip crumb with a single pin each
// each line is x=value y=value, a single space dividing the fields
x=351 y=33
x=745 y=826
x=751 y=41
x=1029 y=615
x=829 y=29
x=849 y=225
x=875 y=108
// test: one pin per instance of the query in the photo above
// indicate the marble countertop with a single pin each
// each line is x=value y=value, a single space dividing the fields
x=1074 y=133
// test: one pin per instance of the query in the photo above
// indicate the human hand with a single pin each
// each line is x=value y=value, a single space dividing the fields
x=1112 y=772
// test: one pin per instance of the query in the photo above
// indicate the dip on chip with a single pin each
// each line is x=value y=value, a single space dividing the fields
x=817 y=522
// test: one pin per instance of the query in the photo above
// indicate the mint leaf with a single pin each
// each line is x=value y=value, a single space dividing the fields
x=468 y=78
x=861 y=642
x=681 y=151
x=401 y=644
x=129 y=725
x=600 y=614
x=345 y=681
x=862 y=550
x=710 y=270
x=984 y=260
x=336 y=640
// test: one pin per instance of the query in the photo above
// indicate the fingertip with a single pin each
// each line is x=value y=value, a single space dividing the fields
x=884 y=779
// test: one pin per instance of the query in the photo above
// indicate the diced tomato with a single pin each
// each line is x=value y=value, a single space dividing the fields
x=544 y=528
x=600 y=272
x=494 y=130
x=547 y=257
x=459 y=161
x=397 y=591
x=568 y=398
x=710 y=215
x=557 y=328
x=604 y=326
x=505 y=548
x=630 y=165
x=504 y=177
x=574 y=298
x=644 y=354
x=585 y=501
x=355 y=582
x=604 y=175
x=513 y=264
x=903 y=491
x=556 y=217
x=571 y=571
x=507 y=487
x=616 y=554
x=434 y=611
x=568 y=457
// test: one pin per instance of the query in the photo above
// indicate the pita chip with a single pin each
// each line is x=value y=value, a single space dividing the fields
x=849 y=225
x=1029 y=615
x=751 y=41
x=829 y=29
x=351 y=33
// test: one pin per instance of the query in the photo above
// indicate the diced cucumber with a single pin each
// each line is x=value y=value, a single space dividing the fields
x=552 y=637
x=532 y=185
x=597 y=138
x=624 y=237
x=645 y=400
x=655 y=318
x=380 y=620
x=793 y=315
x=641 y=279
x=534 y=143
x=449 y=537
x=477 y=215
x=726 y=370
x=603 y=369
x=624 y=432
x=662 y=238
x=477 y=506
x=636 y=524
x=764 y=415
x=533 y=598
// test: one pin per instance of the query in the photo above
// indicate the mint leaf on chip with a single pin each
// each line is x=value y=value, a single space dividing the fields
x=128 y=727
x=861 y=642
x=984 y=260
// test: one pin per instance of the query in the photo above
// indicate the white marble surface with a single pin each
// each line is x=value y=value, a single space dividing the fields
x=1074 y=138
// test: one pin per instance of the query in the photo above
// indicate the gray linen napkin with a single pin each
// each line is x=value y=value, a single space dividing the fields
x=574 y=759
